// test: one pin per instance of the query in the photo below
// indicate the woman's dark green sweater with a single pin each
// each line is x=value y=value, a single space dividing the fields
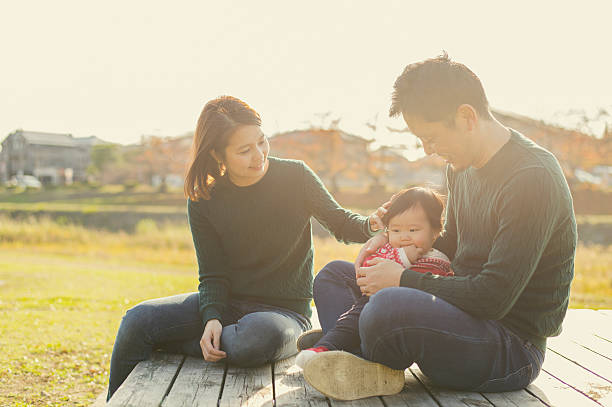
x=255 y=242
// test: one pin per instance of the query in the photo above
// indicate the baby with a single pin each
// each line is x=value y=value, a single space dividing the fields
x=412 y=223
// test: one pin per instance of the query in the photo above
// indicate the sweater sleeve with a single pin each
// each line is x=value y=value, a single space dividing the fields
x=214 y=283
x=447 y=242
x=527 y=210
x=345 y=225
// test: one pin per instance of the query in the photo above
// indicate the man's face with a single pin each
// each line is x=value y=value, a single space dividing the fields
x=447 y=140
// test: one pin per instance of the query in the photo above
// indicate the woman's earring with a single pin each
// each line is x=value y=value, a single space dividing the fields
x=221 y=167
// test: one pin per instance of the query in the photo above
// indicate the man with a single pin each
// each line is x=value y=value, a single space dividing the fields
x=510 y=232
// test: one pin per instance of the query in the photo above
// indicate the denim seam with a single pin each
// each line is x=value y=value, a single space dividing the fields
x=529 y=348
x=502 y=379
x=405 y=329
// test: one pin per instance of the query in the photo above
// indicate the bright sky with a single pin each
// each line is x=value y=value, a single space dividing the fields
x=121 y=69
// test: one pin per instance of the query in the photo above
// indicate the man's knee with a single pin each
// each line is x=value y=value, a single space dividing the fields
x=336 y=270
x=388 y=309
x=383 y=305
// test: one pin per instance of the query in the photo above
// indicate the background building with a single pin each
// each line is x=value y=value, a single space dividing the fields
x=52 y=158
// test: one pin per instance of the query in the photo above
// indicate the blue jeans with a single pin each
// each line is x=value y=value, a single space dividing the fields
x=400 y=326
x=253 y=334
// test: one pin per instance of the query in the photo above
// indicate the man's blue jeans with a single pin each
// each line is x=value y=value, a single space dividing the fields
x=400 y=326
x=253 y=334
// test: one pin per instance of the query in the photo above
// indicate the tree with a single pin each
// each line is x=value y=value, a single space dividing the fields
x=331 y=153
x=163 y=156
x=102 y=157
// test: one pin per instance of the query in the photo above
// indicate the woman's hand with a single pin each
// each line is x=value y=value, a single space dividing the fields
x=381 y=273
x=368 y=248
x=211 y=341
x=375 y=218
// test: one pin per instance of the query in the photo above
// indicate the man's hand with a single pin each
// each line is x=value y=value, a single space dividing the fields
x=211 y=341
x=381 y=273
x=368 y=248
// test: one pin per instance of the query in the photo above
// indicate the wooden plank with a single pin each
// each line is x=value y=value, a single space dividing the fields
x=586 y=358
x=579 y=378
x=149 y=381
x=247 y=387
x=450 y=398
x=369 y=402
x=585 y=334
x=554 y=392
x=587 y=320
x=413 y=395
x=291 y=389
x=100 y=401
x=197 y=384
x=606 y=313
x=591 y=342
x=519 y=398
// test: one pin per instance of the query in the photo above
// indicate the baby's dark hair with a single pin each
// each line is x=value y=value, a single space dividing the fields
x=427 y=198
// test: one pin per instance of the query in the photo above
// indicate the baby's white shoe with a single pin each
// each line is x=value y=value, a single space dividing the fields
x=304 y=356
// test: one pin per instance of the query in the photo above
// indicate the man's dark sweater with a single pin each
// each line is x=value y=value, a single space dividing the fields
x=255 y=242
x=511 y=234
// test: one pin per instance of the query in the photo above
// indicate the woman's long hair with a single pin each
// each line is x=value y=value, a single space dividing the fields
x=219 y=119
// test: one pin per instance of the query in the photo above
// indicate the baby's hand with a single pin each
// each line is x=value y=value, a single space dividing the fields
x=413 y=253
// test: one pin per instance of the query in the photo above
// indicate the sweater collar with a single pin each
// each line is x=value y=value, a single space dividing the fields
x=226 y=183
x=496 y=162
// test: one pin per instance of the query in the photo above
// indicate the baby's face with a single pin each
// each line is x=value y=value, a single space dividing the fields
x=412 y=227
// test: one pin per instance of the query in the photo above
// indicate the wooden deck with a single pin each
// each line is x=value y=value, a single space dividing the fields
x=577 y=372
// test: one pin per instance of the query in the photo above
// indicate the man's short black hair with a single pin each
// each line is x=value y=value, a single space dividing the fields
x=433 y=90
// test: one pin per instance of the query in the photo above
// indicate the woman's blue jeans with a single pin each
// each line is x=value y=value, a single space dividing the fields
x=400 y=326
x=253 y=334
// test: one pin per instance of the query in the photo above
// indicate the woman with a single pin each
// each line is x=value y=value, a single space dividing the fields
x=250 y=219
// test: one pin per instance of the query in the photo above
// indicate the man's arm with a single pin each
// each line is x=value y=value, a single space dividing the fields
x=527 y=210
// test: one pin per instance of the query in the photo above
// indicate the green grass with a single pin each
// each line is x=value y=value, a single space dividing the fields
x=58 y=316
x=104 y=195
x=592 y=285
x=88 y=207
x=594 y=219
x=64 y=289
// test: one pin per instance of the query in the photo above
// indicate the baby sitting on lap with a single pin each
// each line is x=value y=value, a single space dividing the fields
x=412 y=223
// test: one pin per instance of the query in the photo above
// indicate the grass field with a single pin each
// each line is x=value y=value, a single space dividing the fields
x=63 y=290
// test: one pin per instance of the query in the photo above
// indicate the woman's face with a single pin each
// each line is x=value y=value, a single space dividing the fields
x=246 y=155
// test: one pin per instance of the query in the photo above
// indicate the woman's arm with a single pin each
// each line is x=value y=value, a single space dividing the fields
x=345 y=225
x=212 y=269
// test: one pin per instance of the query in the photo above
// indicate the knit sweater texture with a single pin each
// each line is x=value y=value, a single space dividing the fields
x=255 y=242
x=510 y=232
